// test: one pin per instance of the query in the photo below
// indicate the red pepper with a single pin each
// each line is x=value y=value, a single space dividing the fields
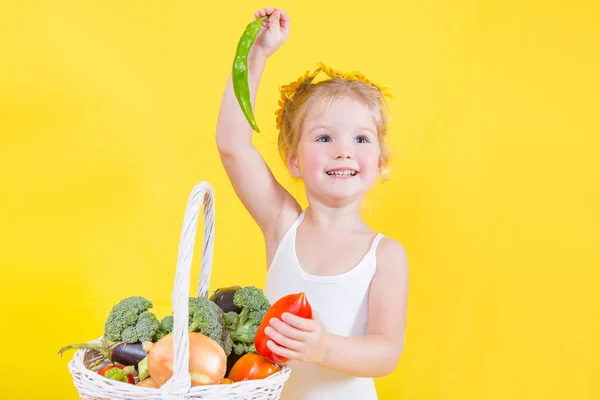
x=296 y=304
x=118 y=373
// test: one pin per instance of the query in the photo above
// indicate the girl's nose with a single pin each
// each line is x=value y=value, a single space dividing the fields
x=343 y=153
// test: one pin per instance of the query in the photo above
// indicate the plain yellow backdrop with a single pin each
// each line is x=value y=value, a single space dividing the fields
x=107 y=120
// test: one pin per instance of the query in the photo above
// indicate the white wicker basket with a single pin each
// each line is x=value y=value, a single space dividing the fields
x=92 y=386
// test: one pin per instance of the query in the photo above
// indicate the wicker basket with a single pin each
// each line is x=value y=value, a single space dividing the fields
x=92 y=386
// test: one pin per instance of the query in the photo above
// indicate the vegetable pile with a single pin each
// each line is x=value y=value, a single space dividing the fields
x=226 y=338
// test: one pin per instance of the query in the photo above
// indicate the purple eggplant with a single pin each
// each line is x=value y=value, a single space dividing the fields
x=223 y=297
x=116 y=352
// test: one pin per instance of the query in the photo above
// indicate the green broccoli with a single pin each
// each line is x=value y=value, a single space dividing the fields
x=250 y=298
x=166 y=324
x=246 y=329
x=129 y=335
x=240 y=348
x=226 y=341
x=146 y=327
x=166 y=327
x=122 y=319
x=231 y=320
x=243 y=326
x=205 y=317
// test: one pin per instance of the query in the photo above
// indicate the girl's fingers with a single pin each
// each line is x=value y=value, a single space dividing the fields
x=285 y=20
x=277 y=18
x=264 y=11
x=287 y=330
x=303 y=324
x=281 y=351
x=274 y=20
x=282 y=340
x=315 y=316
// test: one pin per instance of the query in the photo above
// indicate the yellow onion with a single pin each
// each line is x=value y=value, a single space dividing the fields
x=207 y=364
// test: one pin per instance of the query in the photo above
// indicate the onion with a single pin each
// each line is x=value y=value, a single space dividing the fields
x=149 y=383
x=207 y=364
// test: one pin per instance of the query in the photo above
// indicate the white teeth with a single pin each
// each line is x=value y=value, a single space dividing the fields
x=341 y=173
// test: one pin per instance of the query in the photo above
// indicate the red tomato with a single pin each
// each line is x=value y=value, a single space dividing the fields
x=252 y=366
x=296 y=304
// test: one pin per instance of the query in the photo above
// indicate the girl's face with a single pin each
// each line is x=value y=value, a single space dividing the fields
x=338 y=154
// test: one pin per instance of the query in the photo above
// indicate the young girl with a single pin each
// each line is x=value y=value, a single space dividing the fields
x=331 y=135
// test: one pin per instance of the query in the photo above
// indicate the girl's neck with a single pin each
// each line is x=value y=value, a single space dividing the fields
x=320 y=216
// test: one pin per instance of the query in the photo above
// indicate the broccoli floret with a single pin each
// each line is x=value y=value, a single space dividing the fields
x=240 y=348
x=125 y=315
x=256 y=317
x=231 y=320
x=251 y=298
x=129 y=335
x=166 y=327
x=245 y=331
x=243 y=326
x=226 y=342
x=207 y=318
x=250 y=348
x=166 y=324
x=146 y=326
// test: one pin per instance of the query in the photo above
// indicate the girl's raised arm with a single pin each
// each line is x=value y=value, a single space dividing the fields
x=250 y=176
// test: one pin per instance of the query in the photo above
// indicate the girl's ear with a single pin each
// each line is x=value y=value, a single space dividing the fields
x=293 y=167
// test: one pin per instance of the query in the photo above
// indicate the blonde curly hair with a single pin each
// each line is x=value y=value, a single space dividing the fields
x=298 y=98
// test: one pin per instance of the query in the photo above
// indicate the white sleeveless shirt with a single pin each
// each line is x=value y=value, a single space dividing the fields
x=342 y=302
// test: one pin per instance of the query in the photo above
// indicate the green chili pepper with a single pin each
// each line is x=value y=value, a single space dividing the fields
x=240 y=70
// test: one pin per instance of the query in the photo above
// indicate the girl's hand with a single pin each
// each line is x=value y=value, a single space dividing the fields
x=298 y=338
x=273 y=31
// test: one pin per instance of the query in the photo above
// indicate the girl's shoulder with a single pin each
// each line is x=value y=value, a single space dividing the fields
x=391 y=254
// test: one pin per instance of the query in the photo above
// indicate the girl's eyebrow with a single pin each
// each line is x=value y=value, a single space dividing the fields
x=314 y=128
x=366 y=128
x=361 y=129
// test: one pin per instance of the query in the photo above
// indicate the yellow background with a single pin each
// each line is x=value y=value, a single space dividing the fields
x=107 y=120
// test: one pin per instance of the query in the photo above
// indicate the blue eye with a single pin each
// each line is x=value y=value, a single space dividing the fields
x=362 y=139
x=324 y=139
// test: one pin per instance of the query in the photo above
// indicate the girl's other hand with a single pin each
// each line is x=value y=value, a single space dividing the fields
x=299 y=338
x=273 y=31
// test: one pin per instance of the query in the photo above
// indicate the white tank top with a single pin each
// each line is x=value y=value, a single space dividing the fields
x=342 y=302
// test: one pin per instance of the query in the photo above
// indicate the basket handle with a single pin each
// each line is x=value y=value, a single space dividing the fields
x=180 y=383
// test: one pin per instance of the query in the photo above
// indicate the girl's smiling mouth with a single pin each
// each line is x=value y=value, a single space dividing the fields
x=342 y=173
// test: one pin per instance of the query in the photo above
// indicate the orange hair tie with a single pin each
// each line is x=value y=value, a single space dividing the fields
x=288 y=91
